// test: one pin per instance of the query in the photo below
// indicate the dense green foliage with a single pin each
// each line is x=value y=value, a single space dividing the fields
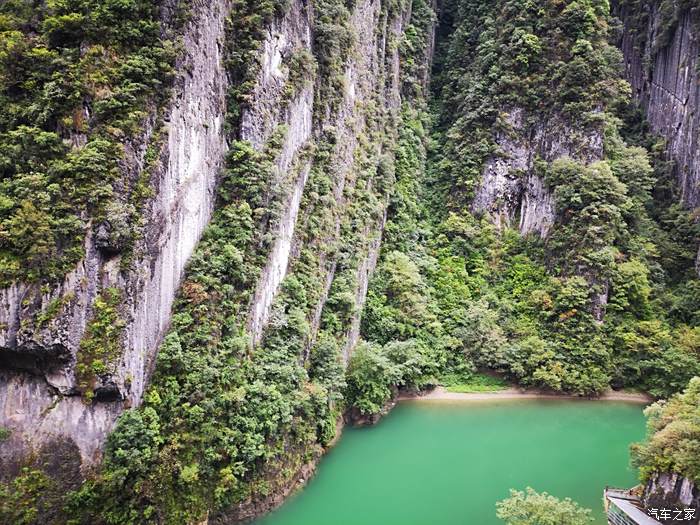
x=673 y=441
x=333 y=40
x=21 y=501
x=546 y=58
x=373 y=373
x=245 y=32
x=77 y=79
x=532 y=508
x=225 y=421
x=609 y=297
x=469 y=383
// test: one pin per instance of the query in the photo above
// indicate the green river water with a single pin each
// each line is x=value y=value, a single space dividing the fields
x=447 y=463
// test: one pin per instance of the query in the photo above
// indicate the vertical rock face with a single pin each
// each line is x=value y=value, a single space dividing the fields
x=377 y=69
x=511 y=191
x=371 y=76
x=665 y=79
x=268 y=110
x=672 y=491
x=364 y=273
x=184 y=193
x=42 y=330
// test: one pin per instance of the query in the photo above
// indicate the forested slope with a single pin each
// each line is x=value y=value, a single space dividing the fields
x=398 y=194
x=542 y=236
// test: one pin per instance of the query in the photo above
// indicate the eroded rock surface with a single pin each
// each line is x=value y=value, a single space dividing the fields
x=43 y=327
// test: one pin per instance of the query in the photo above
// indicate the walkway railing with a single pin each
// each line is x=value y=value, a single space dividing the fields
x=624 y=508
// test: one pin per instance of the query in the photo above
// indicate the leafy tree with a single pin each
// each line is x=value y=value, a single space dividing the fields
x=652 y=355
x=533 y=508
x=673 y=436
x=371 y=375
x=591 y=203
x=482 y=335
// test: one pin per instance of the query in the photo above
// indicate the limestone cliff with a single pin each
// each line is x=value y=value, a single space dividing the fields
x=43 y=326
x=46 y=329
x=662 y=62
x=511 y=192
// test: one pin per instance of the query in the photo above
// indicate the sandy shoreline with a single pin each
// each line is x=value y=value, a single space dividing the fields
x=440 y=394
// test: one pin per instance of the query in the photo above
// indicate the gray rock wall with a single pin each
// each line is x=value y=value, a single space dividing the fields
x=665 y=80
x=371 y=76
x=511 y=192
x=672 y=491
x=266 y=112
x=39 y=399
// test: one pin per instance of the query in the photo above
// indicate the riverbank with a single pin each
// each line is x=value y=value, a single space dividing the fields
x=441 y=394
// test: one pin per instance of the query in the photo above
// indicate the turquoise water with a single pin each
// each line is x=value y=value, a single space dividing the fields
x=447 y=463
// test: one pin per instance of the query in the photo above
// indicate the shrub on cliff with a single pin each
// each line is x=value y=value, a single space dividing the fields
x=673 y=441
x=370 y=378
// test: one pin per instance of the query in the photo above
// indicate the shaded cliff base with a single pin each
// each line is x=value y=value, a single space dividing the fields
x=33 y=487
x=672 y=491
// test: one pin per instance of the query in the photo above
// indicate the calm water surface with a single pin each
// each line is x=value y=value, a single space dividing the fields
x=447 y=463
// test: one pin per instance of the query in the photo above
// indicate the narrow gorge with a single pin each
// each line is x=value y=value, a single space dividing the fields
x=228 y=228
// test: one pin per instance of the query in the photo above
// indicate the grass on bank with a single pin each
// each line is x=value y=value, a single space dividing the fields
x=473 y=383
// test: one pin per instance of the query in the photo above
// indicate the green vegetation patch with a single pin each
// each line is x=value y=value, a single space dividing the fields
x=24 y=500
x=246 y=29
x=466 y=384
x=533 y=508
x=673 y=438
x=102 y=343
x=78 y=78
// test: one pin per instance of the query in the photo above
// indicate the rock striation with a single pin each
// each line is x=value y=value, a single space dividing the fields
x=42 y=327
x=662 y=64
x=511 y=192
x=664 y=72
